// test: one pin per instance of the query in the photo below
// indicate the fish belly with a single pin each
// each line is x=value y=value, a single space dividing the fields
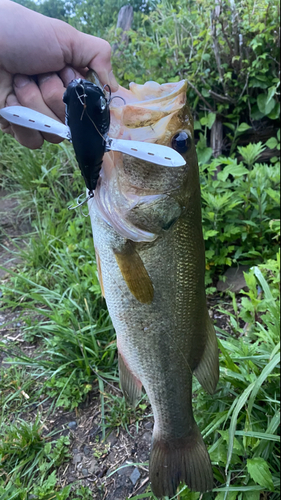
x=163 y=341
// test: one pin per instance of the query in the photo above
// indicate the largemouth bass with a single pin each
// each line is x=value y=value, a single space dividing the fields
x=146 y=222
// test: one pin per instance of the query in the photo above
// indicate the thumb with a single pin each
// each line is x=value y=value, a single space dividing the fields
x=101 y=63
x=82 y=50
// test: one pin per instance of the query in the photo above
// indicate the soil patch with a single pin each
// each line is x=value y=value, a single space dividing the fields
x=114 y=468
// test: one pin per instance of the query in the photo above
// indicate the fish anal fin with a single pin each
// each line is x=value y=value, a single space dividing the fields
x=99 y=271
x=130 y=384
x=134 y=273
x=173 y=461
x=207 y=371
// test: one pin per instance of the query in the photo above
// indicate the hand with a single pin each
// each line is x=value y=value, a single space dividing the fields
x=39 y=56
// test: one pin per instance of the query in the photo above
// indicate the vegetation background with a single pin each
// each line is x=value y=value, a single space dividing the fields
x=229 y=53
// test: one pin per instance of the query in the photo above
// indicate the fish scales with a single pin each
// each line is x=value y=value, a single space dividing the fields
x=146 y=222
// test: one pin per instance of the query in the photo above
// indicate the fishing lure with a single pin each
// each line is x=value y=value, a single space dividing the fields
x=87 y=126
x=88 y=118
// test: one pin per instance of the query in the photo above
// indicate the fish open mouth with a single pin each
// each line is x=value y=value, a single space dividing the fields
x=151 y=114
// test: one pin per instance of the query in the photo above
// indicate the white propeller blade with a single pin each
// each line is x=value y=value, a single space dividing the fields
x=154 y=153
x=26 y=117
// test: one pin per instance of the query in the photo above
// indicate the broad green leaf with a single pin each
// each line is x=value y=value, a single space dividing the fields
x=251 y=495
x=229 y=125
x=271 y=143
x=234 y=170
x=271 y=93
x=255 y=113
x=237 y=446
x=275 y=113
x=231 y=495
x=210 y=233
x=264 y=105
x=211 y=119
x=243 y=127
x=254 y=82
x=204 y=155
x=197 y=125
x=275 y=195
x=219 y=453
x=259 y=471
x=205 y=92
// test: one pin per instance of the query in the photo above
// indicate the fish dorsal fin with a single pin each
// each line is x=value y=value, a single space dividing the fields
x=207 y=371
x=130 y=384
x=134 y=273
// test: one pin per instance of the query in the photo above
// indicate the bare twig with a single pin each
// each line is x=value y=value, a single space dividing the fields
x=221 y=98
x=245 y=86
x=200 y=95
x=140 y=487
x=214 y=16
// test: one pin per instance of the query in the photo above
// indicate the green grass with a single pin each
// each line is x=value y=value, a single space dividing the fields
x=57 y=293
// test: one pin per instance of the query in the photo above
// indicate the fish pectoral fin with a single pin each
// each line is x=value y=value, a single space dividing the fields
x=207 y=371
x=99 y=271
x=134 y=273
x=184 y=459
x=130 y=384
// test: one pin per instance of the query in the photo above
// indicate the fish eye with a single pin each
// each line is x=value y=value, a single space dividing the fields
x=181 y=142
x=103 y=103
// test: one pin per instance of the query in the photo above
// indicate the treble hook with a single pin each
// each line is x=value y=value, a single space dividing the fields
x=79 y=204
x=114 y=97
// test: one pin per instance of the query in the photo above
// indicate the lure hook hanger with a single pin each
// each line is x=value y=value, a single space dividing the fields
x=114 y=97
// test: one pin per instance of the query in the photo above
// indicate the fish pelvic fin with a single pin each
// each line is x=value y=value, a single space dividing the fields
x=130 y=384
x=173 y=461
x=99 y=271
x=207 y=371
x=134 y=273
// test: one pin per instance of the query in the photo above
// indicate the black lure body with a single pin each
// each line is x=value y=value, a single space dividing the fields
x=88 y=117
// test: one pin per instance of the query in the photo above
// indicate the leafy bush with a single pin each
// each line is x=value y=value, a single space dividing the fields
x=239 y=206
x=240 y=422
x=26 y=455
x=228 y=52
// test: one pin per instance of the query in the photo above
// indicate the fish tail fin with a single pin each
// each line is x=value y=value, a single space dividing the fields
x=173 y=461
x=207 y=371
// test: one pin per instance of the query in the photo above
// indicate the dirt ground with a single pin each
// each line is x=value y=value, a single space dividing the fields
x=111 y=469
x=106 y=467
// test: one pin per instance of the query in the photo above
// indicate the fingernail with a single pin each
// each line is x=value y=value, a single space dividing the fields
x=12 y=100
x=43 y=78
x=21 y=80
x=69 y=75
x=113 y=82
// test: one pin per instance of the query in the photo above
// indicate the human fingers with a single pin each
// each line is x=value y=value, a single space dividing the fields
x=6 y=87
x=101 y=63
x=29 y=95
x=52 y=89
x=68 y=74
x=85 y=51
